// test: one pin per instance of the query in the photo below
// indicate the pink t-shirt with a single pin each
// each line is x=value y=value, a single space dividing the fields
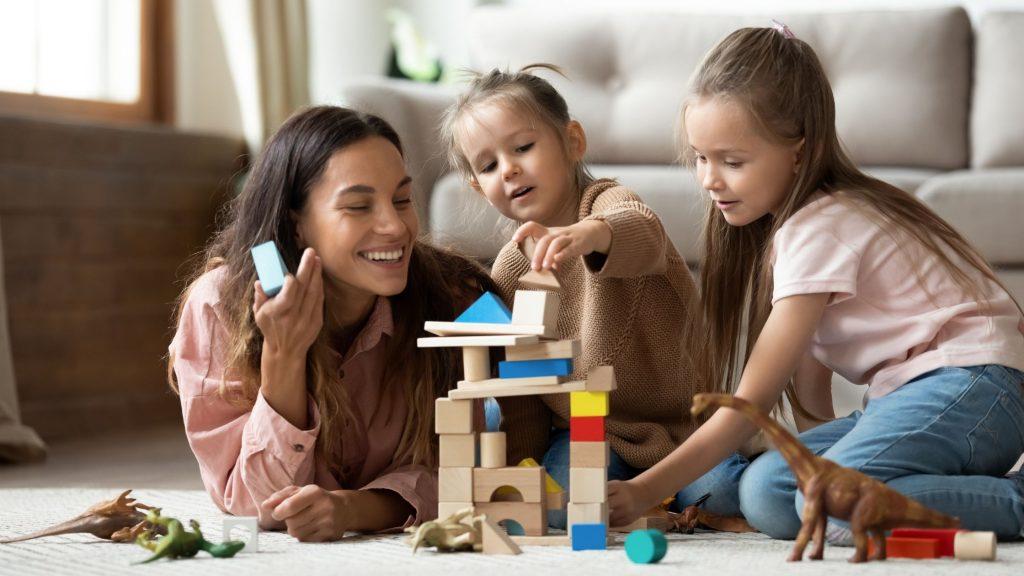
x=247 y=454
x=895 y=312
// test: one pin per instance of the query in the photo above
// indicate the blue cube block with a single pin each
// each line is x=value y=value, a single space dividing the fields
x=488 y=309
x=533 y=368
x=269 y=267
x=589 y=537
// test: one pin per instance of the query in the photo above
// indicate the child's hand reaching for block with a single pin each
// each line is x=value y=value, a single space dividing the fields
x=557 y=244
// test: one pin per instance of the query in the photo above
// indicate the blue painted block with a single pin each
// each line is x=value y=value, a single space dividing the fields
x=269 y=267
x=589 y=537
x=488 y=309
x=533 y=368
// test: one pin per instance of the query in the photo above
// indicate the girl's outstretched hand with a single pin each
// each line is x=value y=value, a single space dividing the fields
x=558 y=244
x=291 y=320
x=626 y=502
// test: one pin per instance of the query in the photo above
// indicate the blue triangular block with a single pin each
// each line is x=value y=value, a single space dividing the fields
x=488 y=309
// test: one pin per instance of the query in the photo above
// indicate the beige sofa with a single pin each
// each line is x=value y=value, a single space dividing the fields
x=924 y=101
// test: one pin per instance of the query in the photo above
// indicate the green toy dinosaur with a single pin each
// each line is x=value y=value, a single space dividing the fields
x=180 y=543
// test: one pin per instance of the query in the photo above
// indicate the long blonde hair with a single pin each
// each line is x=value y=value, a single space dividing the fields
x=523 y=91
x=780 y=82
x=439 y=285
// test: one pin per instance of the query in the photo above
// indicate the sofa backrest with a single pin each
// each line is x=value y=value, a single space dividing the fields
x=997 y=115
x=901 y=78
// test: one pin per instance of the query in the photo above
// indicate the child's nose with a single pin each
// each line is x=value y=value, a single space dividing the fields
x=511 y=169
x=711 y=180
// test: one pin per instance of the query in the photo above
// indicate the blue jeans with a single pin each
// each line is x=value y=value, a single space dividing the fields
x=945 y=439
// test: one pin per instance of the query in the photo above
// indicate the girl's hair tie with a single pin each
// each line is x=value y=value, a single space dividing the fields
x=783 y=29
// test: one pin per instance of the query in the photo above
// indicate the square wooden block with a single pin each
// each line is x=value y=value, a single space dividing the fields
x=453 y=416
x=589 y=454
x=588 y=513
x=588 y=403
x=588 y=485
x=457 y=451
x=446 y=509
x=535 y=307
x=586 y=428
x=601 y=379
x=455 y=484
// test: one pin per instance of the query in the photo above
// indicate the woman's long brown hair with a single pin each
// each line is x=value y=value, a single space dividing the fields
x=440 y=284
x=783 y=86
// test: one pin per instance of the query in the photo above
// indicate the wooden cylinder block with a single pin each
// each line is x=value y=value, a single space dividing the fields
x=975 y=546
x=492 y=450
x=476 y=363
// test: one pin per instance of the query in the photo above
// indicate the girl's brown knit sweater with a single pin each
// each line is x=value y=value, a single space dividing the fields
x=636 y=309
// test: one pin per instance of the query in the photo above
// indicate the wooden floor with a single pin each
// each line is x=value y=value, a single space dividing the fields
x=157 y=458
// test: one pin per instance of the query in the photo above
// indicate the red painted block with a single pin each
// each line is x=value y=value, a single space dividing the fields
x=946 y=537
x=586 y=428
x=917 y=548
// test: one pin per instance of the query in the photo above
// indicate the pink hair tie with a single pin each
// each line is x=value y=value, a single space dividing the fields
x=783 y=29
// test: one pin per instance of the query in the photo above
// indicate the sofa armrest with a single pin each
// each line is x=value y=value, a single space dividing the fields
x=414 y=110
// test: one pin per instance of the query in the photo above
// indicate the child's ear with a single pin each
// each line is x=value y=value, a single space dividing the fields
x=798 y=155
x=577 y=140
x=474 y=185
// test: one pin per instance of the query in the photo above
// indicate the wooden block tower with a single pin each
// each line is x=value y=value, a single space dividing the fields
x=536 y=363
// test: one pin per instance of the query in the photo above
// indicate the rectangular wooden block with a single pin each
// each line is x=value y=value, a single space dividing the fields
x=541 y=350
x=507 y=391
x=556 y=500
x=535 y=368
x=510 y=382
x=453 y=416
x=586 y=428
x=446 y=509
x=661 y=523
x=589 y=454
x=588 y=404
x=474 y=329
x=588 y=485
x=553 y=540
x=918 y=548
x=455 y=484
x=535 y=307
x=589 y=536
x=945 y=536
x=457 y=451
x=531 y=516
x=601 y=379
x=528 y=481
x=460 y=341
x=587 y=513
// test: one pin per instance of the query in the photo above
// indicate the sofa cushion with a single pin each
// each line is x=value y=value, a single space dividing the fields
x=901 y=78
x=461 y=218
x=997 y=118
x=985 y=206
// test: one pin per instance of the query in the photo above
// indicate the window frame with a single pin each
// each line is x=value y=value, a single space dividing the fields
x=156 y=80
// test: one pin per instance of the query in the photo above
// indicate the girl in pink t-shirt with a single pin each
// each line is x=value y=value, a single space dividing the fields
x=825 y=270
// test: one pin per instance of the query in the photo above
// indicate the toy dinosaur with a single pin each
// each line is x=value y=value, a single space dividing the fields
x=180 y=543
x=870 y=506
x=118 y=520
x=448 y=535
x=695 y=516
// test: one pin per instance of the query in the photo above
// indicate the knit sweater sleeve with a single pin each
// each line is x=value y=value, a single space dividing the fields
x=639 y=243
x=526 y=420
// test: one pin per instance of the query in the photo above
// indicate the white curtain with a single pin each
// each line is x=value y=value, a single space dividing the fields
x=18 y=443
x=266 y=46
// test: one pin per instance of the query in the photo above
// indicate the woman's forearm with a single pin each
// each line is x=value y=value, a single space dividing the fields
x=377 y=510
x=283 y=385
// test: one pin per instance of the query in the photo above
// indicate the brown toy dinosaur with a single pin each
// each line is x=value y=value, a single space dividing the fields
x=118 y=520
x=870 y=506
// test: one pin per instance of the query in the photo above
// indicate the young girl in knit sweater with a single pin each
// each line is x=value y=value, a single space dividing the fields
x=842 y=273
x=624 y=286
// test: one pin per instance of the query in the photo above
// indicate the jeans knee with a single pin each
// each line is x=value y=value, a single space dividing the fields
x=767 y=491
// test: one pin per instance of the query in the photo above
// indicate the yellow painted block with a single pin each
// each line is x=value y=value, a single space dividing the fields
x=551 y=486
x=588 y=403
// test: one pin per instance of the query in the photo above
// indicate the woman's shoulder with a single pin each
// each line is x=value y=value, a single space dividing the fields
x=206 y=289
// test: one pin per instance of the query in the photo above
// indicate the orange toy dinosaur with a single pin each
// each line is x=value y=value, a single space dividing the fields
x=870 y=506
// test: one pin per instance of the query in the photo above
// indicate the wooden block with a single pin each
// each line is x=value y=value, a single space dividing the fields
x=945 y=537
x=488 y=309
x=589 y=454
x=446 y=509
x=453 y=416
x=269 y=267
x=455 y=484
x=550 y=485
x=528 y=481
x=510 y=382
x=589 y=536
x=492 y=450
x=507 y=391
x=476 y=363
x=601 y=379
x=475 y=329
x=536 y=307
x=975 y=546
x=541 y=350
x=535 y=368
x=535 y=280
x=556 y=500
x=586 y=485
x=588 y=403
x=542 y=540
x=585 y=428
x=646 y=523
x=918 y=548
x=587 y=513
x=461 y=341
x=531 y=516
x=496 y=540
x=457 y=451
